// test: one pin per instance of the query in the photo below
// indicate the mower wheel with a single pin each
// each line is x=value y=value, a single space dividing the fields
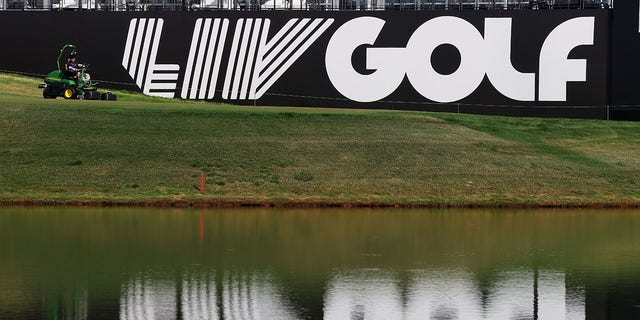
x=68 y=93
x=47 y=96
x=108 y=96
x=92 y=95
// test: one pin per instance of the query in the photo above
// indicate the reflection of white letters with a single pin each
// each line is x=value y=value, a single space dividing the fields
x=512 y=297
x=253 y=296
x=364 y=294
x=444 y=294
x=555 y=68
x=237 y=295
x=144 y=298
x=199 y=299
x=479 y=56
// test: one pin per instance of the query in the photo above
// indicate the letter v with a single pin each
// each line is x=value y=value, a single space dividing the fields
x=275 y=56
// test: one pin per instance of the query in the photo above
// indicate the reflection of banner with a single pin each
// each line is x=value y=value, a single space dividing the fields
x=368 y=294
x=473 y=60
x=199 y=299
x=523 y=294
x=254 y=296
x=145 y=298
x=232 y=295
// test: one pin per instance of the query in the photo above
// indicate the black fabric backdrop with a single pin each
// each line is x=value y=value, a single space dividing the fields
x=32 y=40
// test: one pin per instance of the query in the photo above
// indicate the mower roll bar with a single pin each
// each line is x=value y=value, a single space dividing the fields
x=62 y=51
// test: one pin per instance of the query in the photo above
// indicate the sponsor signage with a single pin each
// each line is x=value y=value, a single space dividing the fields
x=255 y=57
x=481 y=55
x=480 y=61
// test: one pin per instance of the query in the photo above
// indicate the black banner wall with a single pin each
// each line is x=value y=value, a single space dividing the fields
x=625 y=61
x=521 y=62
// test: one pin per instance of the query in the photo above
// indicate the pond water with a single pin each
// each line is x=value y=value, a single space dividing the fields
x=61 y=263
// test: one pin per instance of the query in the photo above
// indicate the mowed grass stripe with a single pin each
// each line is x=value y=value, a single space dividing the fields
x=157 y=148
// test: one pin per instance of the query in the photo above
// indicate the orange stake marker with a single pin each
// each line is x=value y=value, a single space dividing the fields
x=201 y=182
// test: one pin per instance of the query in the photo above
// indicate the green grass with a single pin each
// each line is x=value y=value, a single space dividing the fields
x=143 y=148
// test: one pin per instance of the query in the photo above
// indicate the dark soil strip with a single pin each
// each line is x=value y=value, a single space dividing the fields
x=165 y=203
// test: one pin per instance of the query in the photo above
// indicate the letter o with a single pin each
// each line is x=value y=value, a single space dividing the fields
x=464 y=81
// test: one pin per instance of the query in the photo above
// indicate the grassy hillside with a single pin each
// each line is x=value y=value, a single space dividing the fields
x=142 y=148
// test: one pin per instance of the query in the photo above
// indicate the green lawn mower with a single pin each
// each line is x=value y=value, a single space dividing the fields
x=72 y=84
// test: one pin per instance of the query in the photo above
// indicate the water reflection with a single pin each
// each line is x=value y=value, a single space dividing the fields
x=357 y=294
x=234 y=295
x=300 y=264
x=253 y=296
x=521 y=294
x=68 y=304
x=199 y=296
x=145 y=298
x=363 y=294
x=443 y=295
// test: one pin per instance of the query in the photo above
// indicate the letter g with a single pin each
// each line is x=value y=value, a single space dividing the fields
x=388 y=62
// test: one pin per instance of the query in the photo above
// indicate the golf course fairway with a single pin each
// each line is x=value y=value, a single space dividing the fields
x=151 y=151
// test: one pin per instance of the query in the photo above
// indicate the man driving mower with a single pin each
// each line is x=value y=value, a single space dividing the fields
x=73 y=69
x=71 y=80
